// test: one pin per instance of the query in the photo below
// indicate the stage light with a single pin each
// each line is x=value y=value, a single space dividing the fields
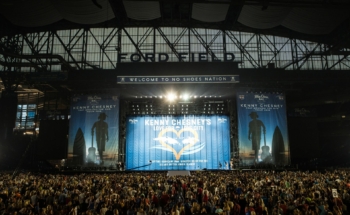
x=160 y=97
x=186 y=97
x=171 y=97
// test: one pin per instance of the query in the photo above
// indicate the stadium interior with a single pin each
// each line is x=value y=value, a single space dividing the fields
x=51 y=51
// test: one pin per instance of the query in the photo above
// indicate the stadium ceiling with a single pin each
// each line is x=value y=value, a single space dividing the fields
x=320 y=21
x=325 y=21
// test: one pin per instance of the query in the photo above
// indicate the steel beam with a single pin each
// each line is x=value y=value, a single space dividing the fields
x=171 y=45
x=204 y=43
x=67 y=50
x=242 y=48
x=135 y=44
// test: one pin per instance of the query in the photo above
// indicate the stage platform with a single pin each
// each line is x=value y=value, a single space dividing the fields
x=180 y=173
x=69 y=171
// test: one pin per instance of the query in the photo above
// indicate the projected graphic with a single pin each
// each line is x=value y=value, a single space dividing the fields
x=177 y=142
x=262 y=127
x=93 y=130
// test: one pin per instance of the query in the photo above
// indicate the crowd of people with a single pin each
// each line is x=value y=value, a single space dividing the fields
x=155 y=193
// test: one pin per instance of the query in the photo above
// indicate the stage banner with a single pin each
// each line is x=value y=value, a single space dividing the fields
x=93 y=130
x=191 y=142
x=262 y=129
x=184 y=79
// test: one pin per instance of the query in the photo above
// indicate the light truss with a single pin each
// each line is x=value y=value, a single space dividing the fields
x=191 y=107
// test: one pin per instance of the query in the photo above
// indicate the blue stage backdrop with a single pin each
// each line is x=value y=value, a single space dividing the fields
x=262 y=127
x=177 y=142
x=93 y=130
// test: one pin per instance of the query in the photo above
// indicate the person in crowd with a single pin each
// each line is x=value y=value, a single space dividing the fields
x=155 y=193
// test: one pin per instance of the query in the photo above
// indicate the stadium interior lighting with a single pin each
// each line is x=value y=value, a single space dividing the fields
x=186 y=97
x=171 y=97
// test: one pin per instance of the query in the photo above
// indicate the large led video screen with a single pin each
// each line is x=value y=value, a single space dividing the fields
x=93 y=130
x=191 y=142
x=262 y=129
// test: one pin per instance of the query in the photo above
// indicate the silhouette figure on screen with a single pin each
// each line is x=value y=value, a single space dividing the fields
x=254 y=133
x=101 y=128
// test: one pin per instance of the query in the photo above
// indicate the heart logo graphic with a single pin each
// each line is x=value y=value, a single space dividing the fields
x=178 y=133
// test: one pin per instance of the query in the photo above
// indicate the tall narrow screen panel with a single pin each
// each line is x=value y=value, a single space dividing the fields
x=93 y=130
x=262 y=126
